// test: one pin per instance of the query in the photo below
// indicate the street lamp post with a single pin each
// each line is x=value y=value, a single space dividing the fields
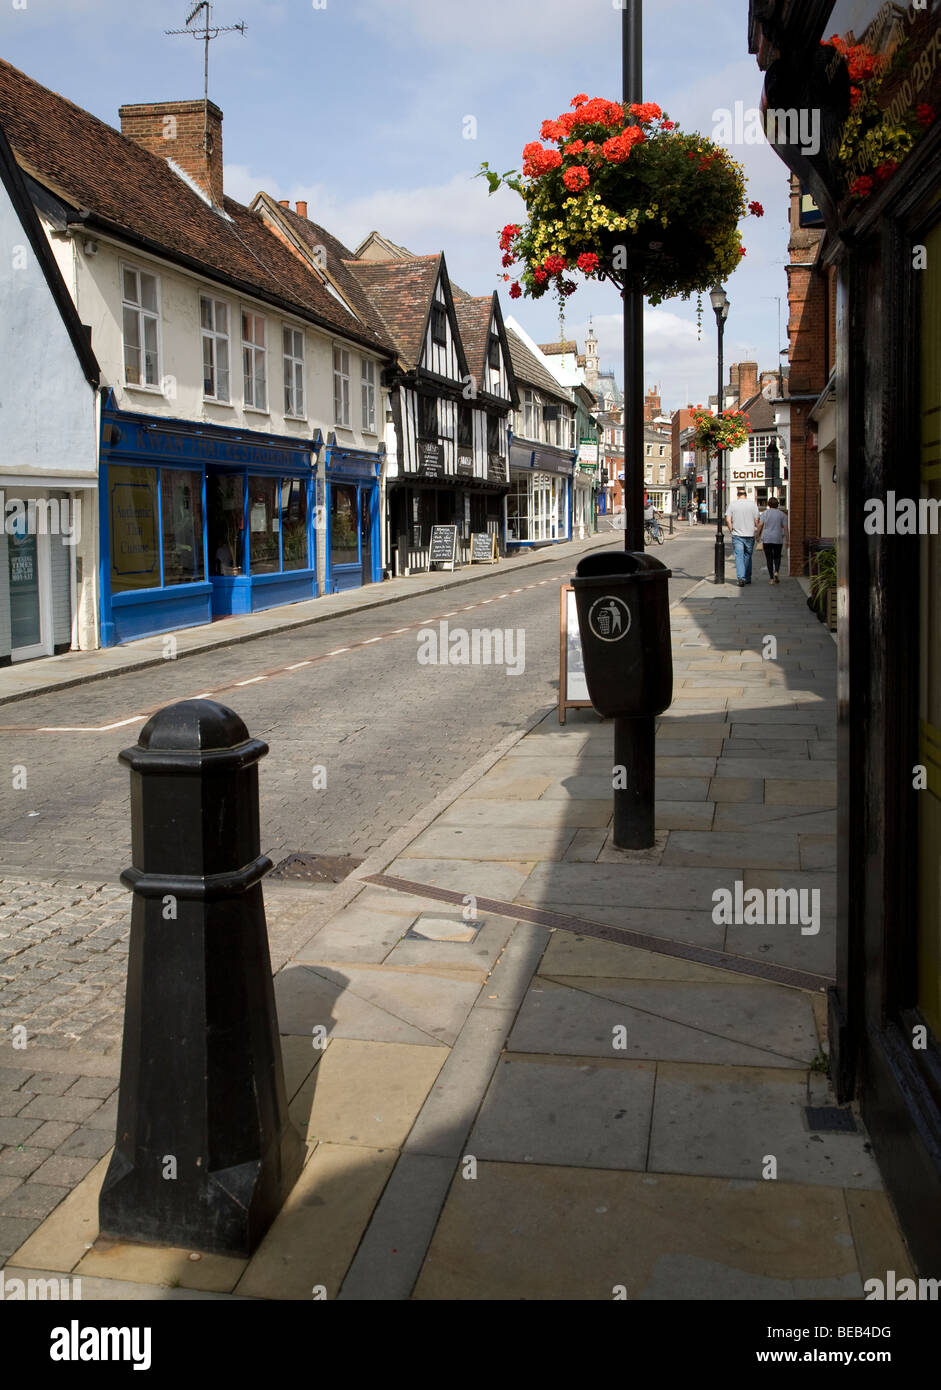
x=632 y=77
x=720 y=303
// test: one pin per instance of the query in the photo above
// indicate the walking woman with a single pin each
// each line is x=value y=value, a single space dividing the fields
x=774 y=536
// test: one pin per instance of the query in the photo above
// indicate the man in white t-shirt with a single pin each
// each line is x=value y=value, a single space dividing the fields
x=741 y=518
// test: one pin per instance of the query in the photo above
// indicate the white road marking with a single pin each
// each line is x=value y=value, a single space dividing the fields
x=370 y=640
x=254 y=680
x=338 y=651
x=297 y=666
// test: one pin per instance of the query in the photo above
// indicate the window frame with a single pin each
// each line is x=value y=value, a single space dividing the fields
x=293 y=411
x=214 y=336
x=367 y=393
x=253 y=347
x=141 y=311
x=341 y=397
x=439 y=316
x=421 y=423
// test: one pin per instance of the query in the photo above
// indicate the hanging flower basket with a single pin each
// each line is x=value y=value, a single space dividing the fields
x=619 y=193
x=730 y=430
x=876 y=137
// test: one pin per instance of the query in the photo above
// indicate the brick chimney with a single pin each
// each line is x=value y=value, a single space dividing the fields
x=747 y=380
x=177 y=130
x=301 y=209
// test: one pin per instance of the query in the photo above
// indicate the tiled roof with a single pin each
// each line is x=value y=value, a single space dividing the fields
x=529 y=371
x=315 y=237
x=133 y=193
x=557 y=349
x=760 y=412
x=473 y=321
x=400 y=292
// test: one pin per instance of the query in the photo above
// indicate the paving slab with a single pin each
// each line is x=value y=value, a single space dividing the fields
x=879 y=1244
x=477 y=955
x=558 y=886
x=314 y=1237
x=166 y=1265
x=566 y=1111
x=368 y=1000
x=780 y=792
x=369 y=1093
x=64 y=1237
x=482 y=879
x=309 y=998
x=742 y=849
x=495 y=843
x=608 y=1018
x=728 y=1121
x=661 y=1237
x=535 y=815
x=568 y=955
x=357 y=934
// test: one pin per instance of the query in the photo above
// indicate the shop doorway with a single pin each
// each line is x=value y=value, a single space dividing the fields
x=30 y=604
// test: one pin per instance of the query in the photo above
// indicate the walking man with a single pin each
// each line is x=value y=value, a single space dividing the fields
x=774 y=537
x=742 y=518
x=703 y=513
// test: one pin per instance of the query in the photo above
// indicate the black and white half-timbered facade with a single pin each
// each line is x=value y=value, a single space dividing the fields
x=447 y=457
x=542 y=451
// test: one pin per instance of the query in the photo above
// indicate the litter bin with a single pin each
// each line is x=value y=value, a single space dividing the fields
x=623 y=604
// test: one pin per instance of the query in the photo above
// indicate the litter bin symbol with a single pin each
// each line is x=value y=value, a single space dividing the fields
x=609 y=618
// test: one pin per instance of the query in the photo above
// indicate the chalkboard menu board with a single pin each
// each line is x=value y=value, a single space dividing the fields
x=443 y=547
x=483 y=548
x=432 y=459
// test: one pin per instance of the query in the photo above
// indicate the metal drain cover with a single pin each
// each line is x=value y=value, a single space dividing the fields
x=315 y=868
x=830 y=1118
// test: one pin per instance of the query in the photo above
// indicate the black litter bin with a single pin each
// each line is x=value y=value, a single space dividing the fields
x=623 y=604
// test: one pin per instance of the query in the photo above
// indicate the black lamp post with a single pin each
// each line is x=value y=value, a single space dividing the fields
x=720 y=303
x=772 y=466
x=632 y=77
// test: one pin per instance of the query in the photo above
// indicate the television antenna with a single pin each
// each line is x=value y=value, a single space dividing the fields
x=205 y=35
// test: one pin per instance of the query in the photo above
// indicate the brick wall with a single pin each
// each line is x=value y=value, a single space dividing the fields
x=176 y=130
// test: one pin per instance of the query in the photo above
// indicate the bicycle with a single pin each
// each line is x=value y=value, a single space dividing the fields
x=649 y=536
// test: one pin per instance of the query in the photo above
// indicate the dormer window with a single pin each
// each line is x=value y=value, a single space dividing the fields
x=439 y=325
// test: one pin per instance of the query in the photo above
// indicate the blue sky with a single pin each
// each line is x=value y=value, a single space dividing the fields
x=359 y=106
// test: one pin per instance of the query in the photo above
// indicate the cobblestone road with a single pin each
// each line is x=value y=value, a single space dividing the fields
x=389 y=733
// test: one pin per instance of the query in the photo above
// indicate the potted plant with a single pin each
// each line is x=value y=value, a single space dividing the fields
x=823 y=586
x=730 y=430
x=620 y=193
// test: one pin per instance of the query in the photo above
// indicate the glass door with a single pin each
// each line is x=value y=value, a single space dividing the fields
x=365 y=531
x=24 y=559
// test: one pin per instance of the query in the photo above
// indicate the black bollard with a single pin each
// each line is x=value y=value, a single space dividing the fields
x=205 y=1153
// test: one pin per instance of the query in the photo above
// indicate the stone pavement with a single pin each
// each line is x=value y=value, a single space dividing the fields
x=613 y=1085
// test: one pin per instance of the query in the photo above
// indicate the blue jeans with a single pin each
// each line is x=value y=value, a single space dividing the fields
x=743 y=547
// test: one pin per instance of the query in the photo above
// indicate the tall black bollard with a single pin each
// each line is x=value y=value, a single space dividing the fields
x=205 y=1153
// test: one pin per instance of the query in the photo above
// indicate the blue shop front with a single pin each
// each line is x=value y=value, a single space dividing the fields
x=199 y=522
x=352 y=516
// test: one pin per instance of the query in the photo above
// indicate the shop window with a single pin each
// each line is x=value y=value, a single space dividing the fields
x=294 y=523
x=529 y=415
x=181 y=508
x=214 y=323
x=132 y=505
x=254 y=368
x=341 y=386
x=344 y=525
x=368 y=392
x=293 y=347
x=225 y=518
x=141 y=315
x=264 y=554
x=439 y=325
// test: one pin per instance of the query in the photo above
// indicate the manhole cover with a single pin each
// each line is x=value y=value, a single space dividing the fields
x=830 y=1117
x=316 y=868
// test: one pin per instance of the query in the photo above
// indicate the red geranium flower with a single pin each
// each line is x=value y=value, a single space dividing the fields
x=506 y=236
x=537 y=160
x=886 y=170
x=669 y=125
x=539 y=275
x=576 y=147
x=756 y=209
x=646 y=111
x=555 y=264
x=569 y=287
x=925 y=114
x=576 y=178
x=619 y=147
x=515 y=290
x=552 y=130
x=508 y=259
x=588 y=262
x=742 y=249
x=579 y=100
x=862 y=187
